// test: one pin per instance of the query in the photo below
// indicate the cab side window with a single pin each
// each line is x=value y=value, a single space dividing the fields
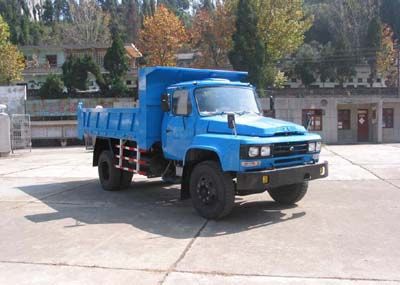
x=181 y=104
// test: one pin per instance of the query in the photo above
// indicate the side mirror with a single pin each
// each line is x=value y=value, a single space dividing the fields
x=165 y=107
x=232 y=122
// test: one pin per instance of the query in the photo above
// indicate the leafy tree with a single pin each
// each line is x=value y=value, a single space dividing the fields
x=248 y=52
x=53 y=87
x=345 y=24
x=94 y=68
x=76 y=72
x=17 y=16
x=321 y=30
x=388 y=56
x=208 y=4
x=211 y=34
x=118 y=88
x=345 y=60
x=48 y=12
x=131 y=22
x=161 y=37
x=179 y=7
x=61 y=10
x=281 y=26
x=11 y=59
x=306 y=64
x=389 y=12
x=373 y=42
x=175 y=5
x=4 y=32
x=326 y=65
x=148 y=8
x=116 y=61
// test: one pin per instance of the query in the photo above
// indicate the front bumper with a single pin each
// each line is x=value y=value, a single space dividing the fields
x=258 y=181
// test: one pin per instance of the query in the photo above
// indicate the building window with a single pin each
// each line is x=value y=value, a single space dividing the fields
x=52 y=60
x=344 y=119
x=294 y=80
x=351 y=80
x=315 y=116
x=388 y=118
x=378 y=80
x=360 y=80
x=129 y=82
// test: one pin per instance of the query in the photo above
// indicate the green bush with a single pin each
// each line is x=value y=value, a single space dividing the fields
x=53 y=87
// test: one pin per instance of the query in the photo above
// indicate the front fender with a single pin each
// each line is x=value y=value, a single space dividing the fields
x=227 y=149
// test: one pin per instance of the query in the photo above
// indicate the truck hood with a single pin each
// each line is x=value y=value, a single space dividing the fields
x=253 y=125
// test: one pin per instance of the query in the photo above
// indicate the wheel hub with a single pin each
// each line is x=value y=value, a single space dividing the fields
x=206 y=191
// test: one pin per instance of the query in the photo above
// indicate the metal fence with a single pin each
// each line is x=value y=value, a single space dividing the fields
x=21 y=136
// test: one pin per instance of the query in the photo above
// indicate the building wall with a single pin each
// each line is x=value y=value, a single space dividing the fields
x=290 y=109
x=40 y=55
x=392 y=134
x=350 y=136
x=360 y=79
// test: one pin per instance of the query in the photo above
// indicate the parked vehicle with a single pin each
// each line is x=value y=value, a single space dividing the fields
x=203 y=129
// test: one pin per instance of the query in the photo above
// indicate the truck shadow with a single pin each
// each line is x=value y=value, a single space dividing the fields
x=153 y=207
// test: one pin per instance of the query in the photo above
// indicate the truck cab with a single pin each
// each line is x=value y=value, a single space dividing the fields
x=203 y=129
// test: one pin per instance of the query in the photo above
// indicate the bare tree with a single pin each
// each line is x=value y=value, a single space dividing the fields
x=350 y=19
x=88 y=26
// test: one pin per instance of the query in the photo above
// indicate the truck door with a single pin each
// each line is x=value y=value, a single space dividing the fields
x=178 y=125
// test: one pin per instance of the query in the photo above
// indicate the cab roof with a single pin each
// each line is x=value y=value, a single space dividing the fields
x=210 y=82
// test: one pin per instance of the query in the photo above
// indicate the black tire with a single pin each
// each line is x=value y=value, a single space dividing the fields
x=110 y=177
x=211 y=190
x=289 y=194
x=126 y=179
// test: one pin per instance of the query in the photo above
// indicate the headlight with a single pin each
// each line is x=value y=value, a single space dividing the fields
x=318 y=146
x=253 y=151
x=311 y=147
x=265 y=151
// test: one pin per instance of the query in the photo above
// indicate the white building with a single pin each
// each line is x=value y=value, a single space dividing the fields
x=340 y=115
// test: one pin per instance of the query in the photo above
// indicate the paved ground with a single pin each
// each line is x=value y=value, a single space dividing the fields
x=58 y=226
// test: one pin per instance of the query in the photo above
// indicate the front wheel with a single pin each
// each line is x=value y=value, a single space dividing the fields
x=289 y=194
x=212 y=191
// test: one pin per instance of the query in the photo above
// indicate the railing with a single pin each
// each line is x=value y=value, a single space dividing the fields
x=47 y=69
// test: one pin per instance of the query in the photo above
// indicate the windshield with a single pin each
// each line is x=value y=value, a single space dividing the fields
x=226 y=99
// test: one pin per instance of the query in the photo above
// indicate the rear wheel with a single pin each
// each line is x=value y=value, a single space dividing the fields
x=126 y=179
x=289 y=194
x=111 y=178
x=211 y=190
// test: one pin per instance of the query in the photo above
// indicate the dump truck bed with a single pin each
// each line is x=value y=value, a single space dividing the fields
x=118 y=123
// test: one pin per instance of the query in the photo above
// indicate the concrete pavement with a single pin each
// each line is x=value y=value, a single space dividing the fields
x=59 y=227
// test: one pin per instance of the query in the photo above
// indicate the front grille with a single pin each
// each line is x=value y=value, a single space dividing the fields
x=290 y=148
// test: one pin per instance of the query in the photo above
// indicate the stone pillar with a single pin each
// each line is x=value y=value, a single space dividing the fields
x=379 y=117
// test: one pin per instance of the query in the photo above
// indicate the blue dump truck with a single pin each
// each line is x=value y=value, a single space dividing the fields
x=203 y=129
